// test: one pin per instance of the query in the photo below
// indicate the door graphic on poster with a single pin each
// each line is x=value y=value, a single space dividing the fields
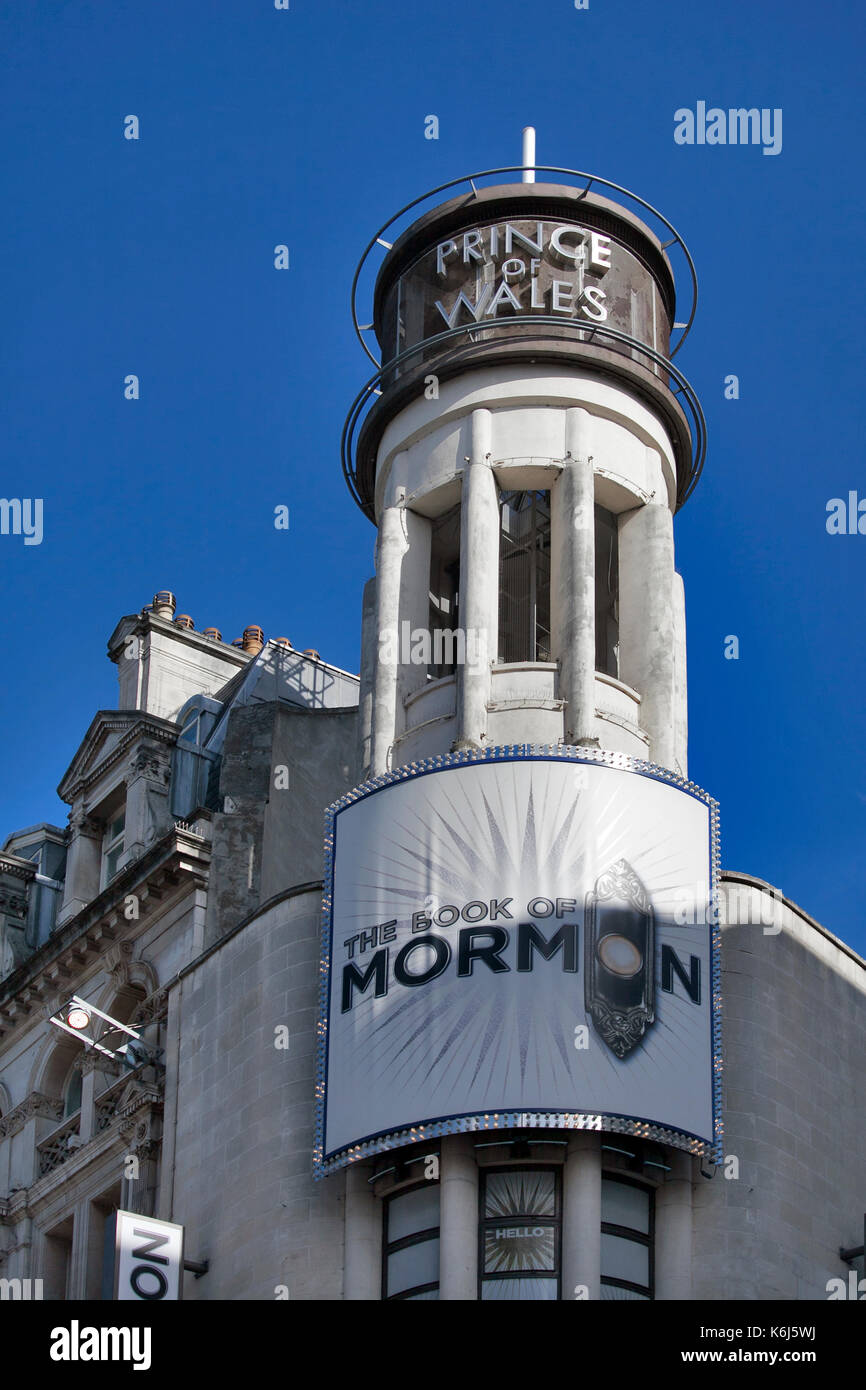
x=619 y=985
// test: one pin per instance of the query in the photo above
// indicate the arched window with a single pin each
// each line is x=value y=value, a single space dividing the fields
x=72 y=1093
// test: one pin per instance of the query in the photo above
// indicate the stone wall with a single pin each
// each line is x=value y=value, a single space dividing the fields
x=794 y=1001
x=240 y=1177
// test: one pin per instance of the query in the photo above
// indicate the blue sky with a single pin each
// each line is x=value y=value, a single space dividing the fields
x=306 y=127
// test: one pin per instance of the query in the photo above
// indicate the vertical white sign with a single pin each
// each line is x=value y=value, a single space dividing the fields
x=148 y=1259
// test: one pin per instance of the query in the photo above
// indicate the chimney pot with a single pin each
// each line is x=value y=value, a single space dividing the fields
x=253 y=639
x=164 y=604
x=185 y=621
x=311 y=651
x=213 y=632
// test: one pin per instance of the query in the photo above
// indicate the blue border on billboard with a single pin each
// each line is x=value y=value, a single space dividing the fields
x=423 y=1130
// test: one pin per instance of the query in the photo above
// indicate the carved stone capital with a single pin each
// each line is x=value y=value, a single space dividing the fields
x=13 y=904
x=117 y=959
x=91 y=1060
x=82 y=823
x=150 y=763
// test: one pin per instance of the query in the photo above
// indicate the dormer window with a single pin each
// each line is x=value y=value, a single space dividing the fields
x=112 y=846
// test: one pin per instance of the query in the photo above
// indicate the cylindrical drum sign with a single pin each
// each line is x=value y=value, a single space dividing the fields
x=520 y=938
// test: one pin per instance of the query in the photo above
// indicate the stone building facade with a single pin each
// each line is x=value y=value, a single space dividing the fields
x=527 y=502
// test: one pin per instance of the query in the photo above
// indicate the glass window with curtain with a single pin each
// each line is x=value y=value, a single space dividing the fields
x=627 y=1236
x=521 y=1227
x=524 y=576
x=411 y=1244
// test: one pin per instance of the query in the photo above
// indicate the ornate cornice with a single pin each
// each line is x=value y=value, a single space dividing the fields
x=35 y=1104
x=135 y=723
x=16 y=867
x=178 y=859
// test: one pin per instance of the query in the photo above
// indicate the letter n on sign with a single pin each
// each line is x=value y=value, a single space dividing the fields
x=148 y=1259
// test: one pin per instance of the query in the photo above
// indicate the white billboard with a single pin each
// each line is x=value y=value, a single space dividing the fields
x=519 y=938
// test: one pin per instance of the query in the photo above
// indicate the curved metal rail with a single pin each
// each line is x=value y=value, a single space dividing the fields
x=675 y=237
x=682 y=390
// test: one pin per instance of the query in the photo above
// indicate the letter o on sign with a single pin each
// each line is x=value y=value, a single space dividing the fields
x=437 y=954
x=139 y=1273
x=540 y=907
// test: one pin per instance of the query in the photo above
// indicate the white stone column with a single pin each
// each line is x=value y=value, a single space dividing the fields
x=479 y=584
x=573 y=587
x=390 y=549
x=83 y=864
x=79 y=1255
x=646 y=623
x=94 y=1249
x=362 y=1279
x=147 y=805
x=367 y=677
x=90 y=1065
x=581 y=1218
x=673 y=1232
x=414 y=609
x=681 y=698
x=458 y=1220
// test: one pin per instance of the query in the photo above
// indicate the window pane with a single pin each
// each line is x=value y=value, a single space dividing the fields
x=413 y=1212
x=521 y=1246
x=624 y=1205
x=417 y=1264
x=444 y=592
x=528 y=1290
x=73 y=1094
x=606 y=593
x=624 y=1259
x=520 y=1193
x=422 y=1297
x=611 y=1291
x=524 y=576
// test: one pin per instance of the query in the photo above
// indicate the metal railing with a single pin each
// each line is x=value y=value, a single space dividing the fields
x=534 y=326
x=674 y=240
